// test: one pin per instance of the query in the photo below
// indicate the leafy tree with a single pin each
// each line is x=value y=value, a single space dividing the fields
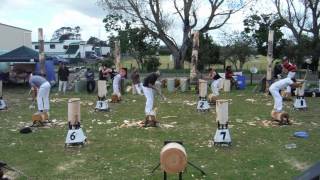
x=66 y=33
x=136 y=41
x=257 y=27
x=154 y=18
x=209 y=52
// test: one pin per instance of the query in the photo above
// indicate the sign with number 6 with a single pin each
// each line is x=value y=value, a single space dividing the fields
x=75 y=136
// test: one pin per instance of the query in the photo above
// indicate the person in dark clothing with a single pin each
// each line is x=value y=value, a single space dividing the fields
x=91 y=83
x=277 y=71
x=216 y=78
x=63 y=75
x=104 y=73
x=229 y=75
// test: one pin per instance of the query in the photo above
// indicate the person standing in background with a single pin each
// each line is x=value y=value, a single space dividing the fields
x=291 y=70
x=63 y=75
x=91 y=84
x=135 y=77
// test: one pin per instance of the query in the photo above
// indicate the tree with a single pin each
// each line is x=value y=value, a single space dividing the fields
x=209 y=52
x=302 y=18
x=156 y=19
x=136 y=41
x=240 y=50
x=66 y=33
x=258 y=26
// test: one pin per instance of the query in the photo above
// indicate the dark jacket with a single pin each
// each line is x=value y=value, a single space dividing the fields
x=63 y=74
x=135 y=77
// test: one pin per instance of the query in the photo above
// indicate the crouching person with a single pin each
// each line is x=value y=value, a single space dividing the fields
x=277 y=112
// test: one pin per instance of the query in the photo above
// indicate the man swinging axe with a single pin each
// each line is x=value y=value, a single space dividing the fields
x=148 y=88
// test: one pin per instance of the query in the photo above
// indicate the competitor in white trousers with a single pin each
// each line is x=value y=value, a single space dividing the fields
x=216 y=80
x=148 y=88
x=116 y=82
x=43 y=87
x=276 y=87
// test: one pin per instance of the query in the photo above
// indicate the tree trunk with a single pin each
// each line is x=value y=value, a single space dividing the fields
x=194 y=58
x=117 y=55
x=41 y=53
x=269 y=59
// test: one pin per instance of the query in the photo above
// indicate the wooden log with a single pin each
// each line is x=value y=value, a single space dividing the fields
x=42 y=59
x=115 y=98
x=269 y=60
x=203 y=88
x=102 y=88
x=39 y=117
x=212 y=99
x=300 y=90
x=117 y=55
x=194 y=57
x=282 y=117
x=184 y=84
x=226 y=85
x=74 y=114
x=1 y=89
x=222 y=111
x=173 y=158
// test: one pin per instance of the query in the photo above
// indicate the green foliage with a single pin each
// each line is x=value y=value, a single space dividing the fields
x=152 y=63
x=257 y=27
x=135 y=41
x=107 y=62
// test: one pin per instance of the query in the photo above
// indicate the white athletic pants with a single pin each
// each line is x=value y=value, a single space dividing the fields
x=116 y=89
x=63 y=86
x=290 y=75
x=215 y=87
x=138 y=88
x=43 y=97
x=148 y=93
x=277 y=99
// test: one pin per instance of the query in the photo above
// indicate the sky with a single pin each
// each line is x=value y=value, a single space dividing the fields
x=53 y=14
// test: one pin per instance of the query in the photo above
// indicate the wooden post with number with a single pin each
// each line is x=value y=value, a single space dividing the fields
x=41 y=52
x=117 y=55
x=269 y=60
x=194 y=58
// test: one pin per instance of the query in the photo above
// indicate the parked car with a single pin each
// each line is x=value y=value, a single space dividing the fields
x=57 y=60
x=95 y=57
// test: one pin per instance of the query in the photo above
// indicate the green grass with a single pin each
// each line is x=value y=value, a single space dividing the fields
x=257 y=152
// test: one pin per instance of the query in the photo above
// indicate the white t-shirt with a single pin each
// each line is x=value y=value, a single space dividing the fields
x=281 y=84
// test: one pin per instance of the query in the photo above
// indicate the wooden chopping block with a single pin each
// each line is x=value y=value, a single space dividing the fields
x=282 y=117
x=173 y=158
x=176 y=83
x=115 y=98
x=212 y=99
x=39 y=117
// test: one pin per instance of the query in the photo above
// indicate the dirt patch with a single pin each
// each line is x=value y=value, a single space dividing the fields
x=66 y=166
x=297 y=164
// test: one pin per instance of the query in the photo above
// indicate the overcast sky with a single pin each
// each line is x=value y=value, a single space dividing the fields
x=53 y=14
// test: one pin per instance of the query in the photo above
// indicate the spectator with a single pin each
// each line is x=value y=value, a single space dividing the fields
x=229 y=75
x=91 y=84
x=63 y=75
x=277 y=70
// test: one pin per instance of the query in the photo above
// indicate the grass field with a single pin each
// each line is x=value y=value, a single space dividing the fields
x=257 y=152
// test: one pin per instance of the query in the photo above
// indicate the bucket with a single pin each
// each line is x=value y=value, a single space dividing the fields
x=222 y=111
x=241 y=80
x=184 y=84
x=203 y=88
x=226 y=85
x=170 y=84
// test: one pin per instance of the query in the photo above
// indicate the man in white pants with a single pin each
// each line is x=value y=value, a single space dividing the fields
x=276 y=87
x=116 y=82
x=216 y=80
x=148 y=88
x=43 y=89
